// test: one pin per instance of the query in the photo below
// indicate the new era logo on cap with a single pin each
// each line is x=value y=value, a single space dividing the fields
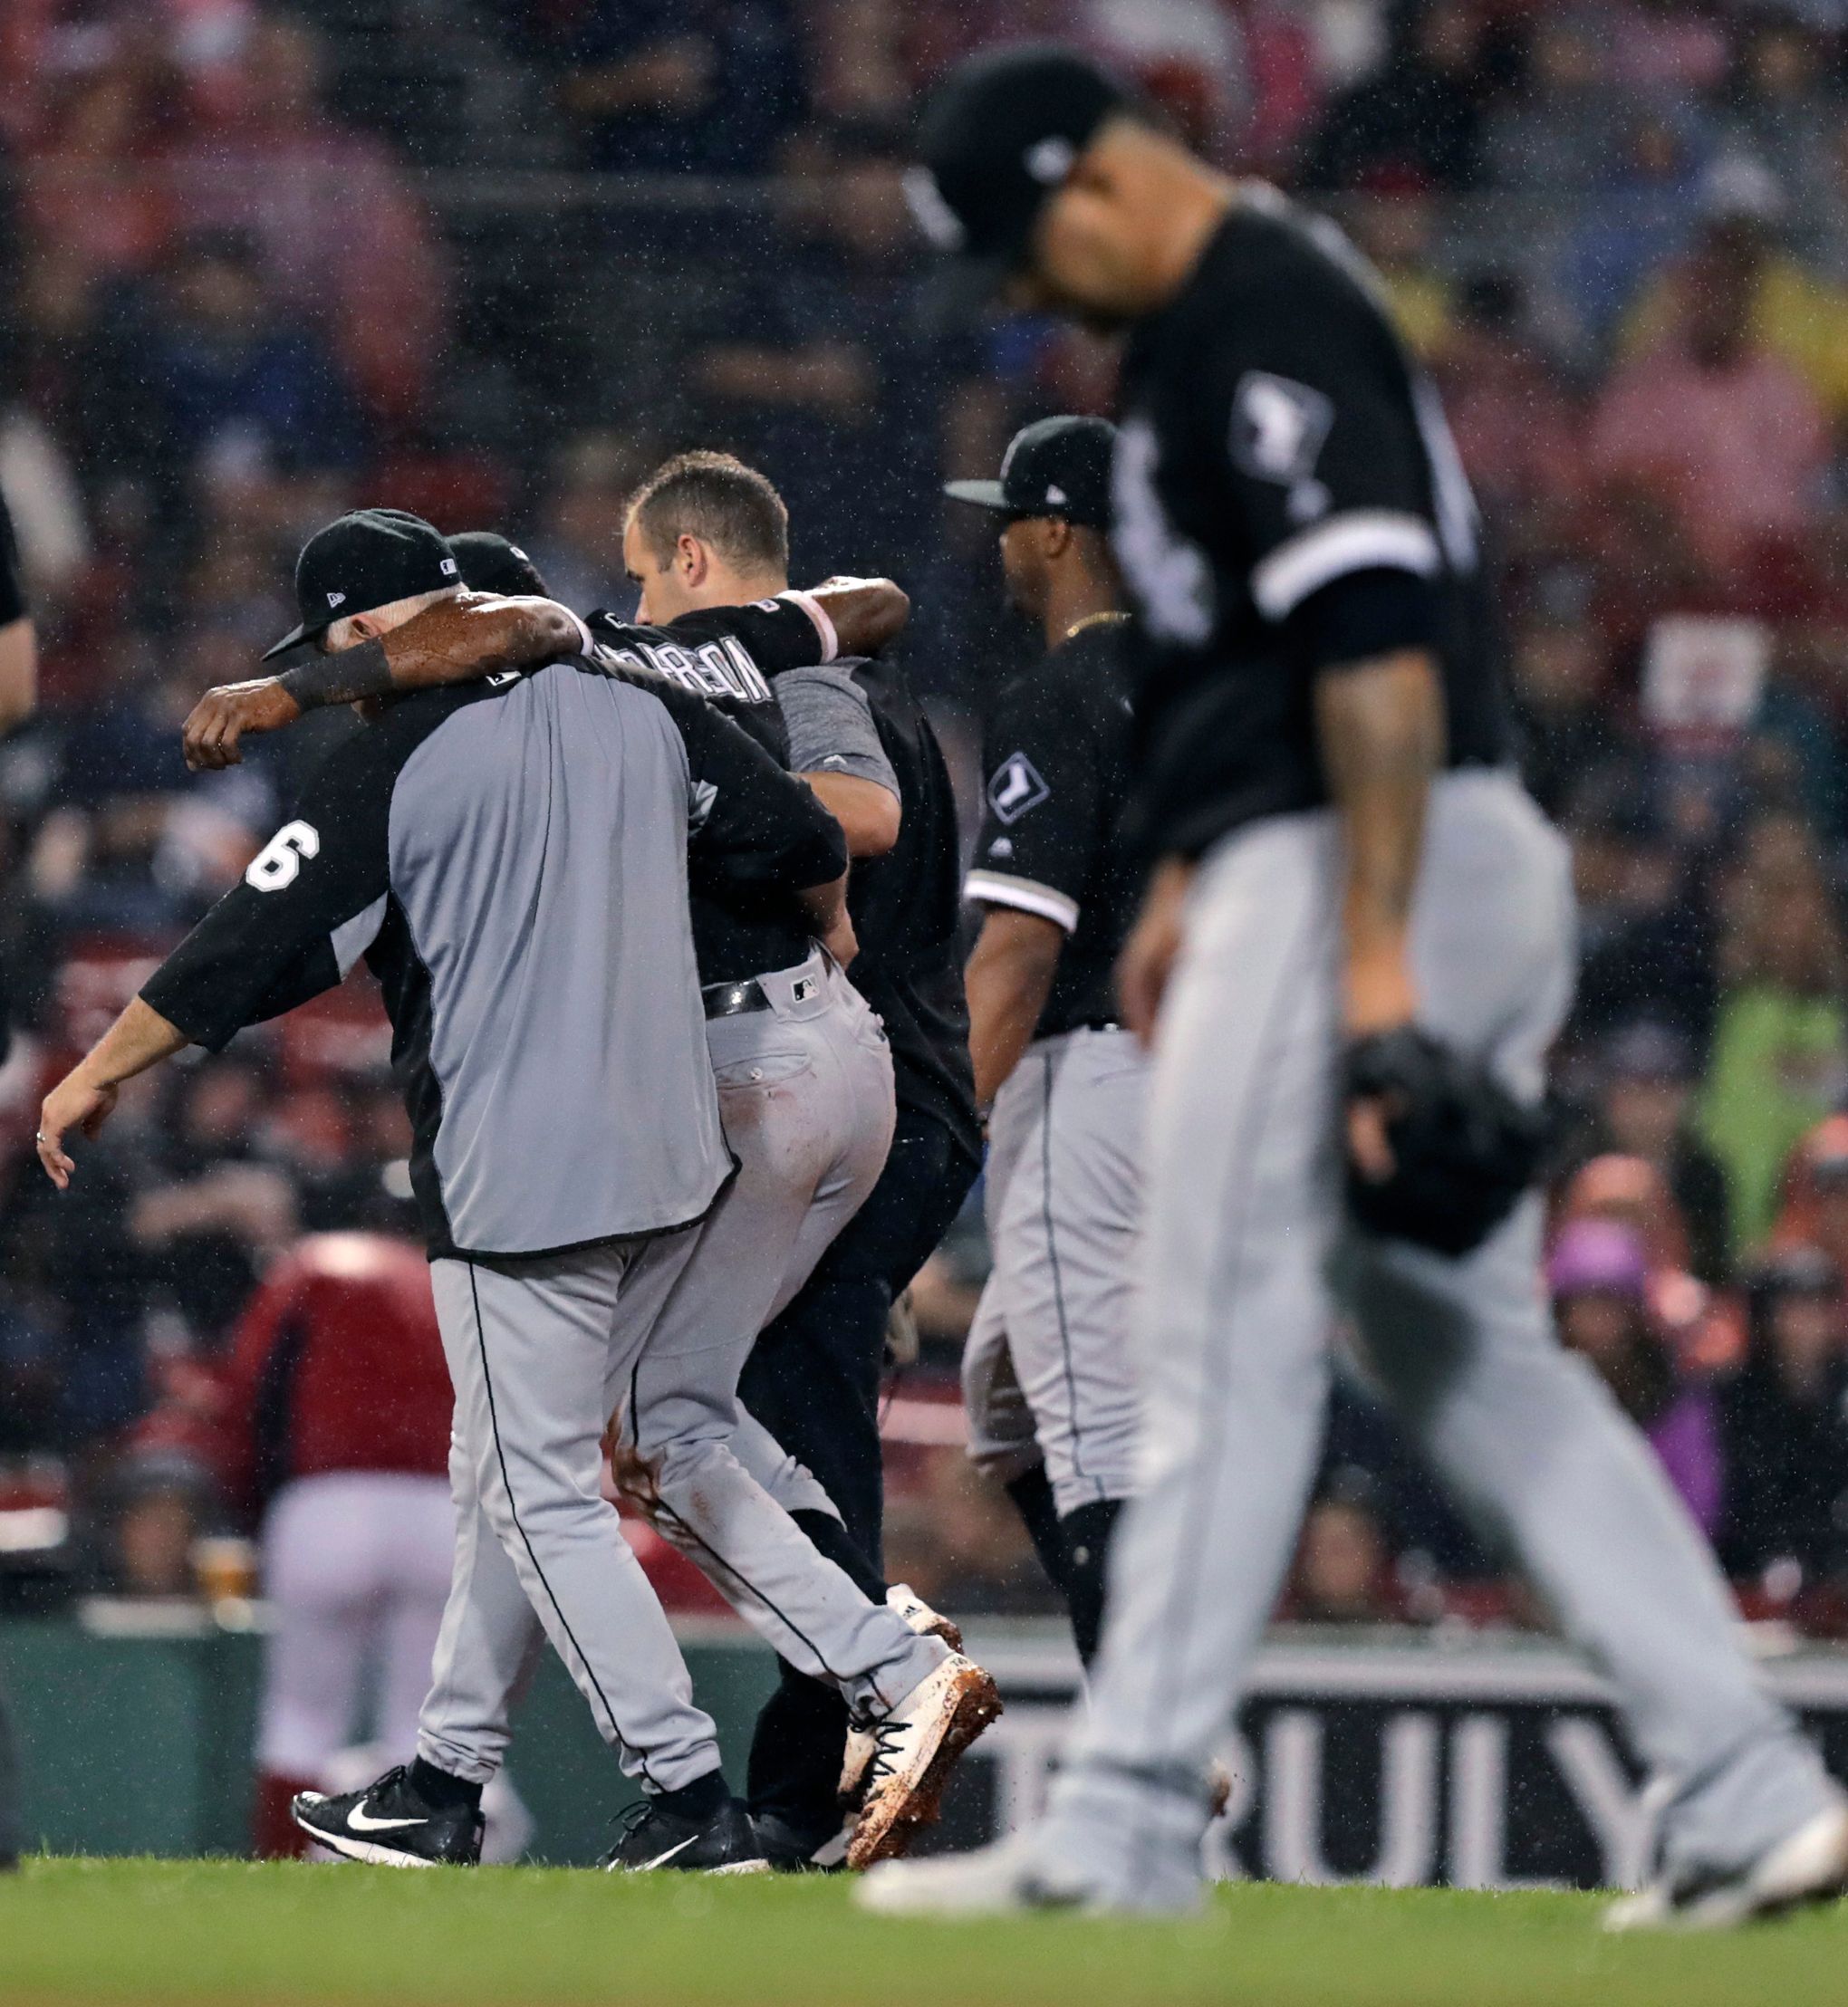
x=369 y=558
x=1059 y=467
x=1051 y=160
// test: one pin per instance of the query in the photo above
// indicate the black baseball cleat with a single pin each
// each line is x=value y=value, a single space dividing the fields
x=390 y=1826
x=654 y=1837
x=790 y=1853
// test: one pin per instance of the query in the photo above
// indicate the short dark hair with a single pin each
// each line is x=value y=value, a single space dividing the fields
x=715 y=497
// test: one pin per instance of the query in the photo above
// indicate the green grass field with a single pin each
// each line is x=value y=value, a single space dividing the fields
x=224 y=1933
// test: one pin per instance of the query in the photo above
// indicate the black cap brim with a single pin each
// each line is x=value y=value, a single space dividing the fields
x=294 y=637
x=985 y=494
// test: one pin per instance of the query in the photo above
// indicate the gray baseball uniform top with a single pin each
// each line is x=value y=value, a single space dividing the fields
x=512 y=860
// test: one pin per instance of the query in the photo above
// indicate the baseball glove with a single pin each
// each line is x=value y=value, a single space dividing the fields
x=1464 y=1149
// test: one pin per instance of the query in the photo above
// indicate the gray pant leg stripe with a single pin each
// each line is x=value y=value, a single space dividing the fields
x=1250 y=1123
x=1058 y=1283
x=508 y=1485
x=705 y=1546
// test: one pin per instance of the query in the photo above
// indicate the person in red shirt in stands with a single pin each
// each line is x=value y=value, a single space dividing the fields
x=335 y=1438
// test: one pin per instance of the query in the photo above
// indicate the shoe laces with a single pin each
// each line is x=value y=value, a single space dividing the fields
x=396 y=1779
x=886 y=1736
x=631 y=1819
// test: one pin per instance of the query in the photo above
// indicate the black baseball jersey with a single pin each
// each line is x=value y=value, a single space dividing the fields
x=905 y=905
x=727 y=657
x=1056 y=749
x=907 y=911
x=1274 y=437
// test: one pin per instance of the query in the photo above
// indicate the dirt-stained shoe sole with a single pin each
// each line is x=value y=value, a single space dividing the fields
x=895 y=1812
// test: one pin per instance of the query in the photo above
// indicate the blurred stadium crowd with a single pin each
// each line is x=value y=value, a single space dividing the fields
x=490 y=259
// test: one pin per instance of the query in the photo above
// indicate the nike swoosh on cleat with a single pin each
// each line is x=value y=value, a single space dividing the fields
x=662 y=1860
x=362 y=1821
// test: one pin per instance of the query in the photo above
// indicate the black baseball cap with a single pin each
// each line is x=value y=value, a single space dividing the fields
x=362 y=561
x=1059 y=467
x=491 y=563
x=1000 y=134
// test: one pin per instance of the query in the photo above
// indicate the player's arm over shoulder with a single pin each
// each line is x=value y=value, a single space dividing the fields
x=834 y=745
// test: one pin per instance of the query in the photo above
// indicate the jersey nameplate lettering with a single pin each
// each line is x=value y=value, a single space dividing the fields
x=716 y=669
x=279 y=862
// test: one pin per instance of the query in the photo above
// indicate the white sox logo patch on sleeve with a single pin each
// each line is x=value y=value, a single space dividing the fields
x=1278 y=427
x=1017 y=788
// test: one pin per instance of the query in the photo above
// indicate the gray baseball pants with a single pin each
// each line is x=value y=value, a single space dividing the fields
x=1047 y=1373
x=805 y=1094
x=1246 y=1255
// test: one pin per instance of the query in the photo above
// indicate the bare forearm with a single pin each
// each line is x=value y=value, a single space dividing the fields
x=1380 y=729
x=18 y=673
x=865 y=613
x=869 y=814
x=1009 y=978
x=824 y=906
x=463 y=639
x=140 y=1038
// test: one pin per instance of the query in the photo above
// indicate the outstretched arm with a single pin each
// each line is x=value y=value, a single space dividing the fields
x=86 y=1096
x=458 y=640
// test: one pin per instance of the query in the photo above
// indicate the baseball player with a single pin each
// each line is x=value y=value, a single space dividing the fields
x=1047 y=1378
x=812 y=1380
x=512 y=859
x=335 y=1434
x=1355 y=949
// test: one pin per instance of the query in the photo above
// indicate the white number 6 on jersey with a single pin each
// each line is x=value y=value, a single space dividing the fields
x=279 y=861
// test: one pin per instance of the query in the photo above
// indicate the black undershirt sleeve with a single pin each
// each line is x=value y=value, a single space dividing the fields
x=1362 y=616
x=13 y=605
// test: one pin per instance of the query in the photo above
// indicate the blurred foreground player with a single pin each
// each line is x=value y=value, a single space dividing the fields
x=1358 y=943
x=336 y=1437
x=1047 y=1378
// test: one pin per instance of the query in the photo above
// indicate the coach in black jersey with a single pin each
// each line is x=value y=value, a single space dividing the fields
x=1047 y=1378
x=1342 y=854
